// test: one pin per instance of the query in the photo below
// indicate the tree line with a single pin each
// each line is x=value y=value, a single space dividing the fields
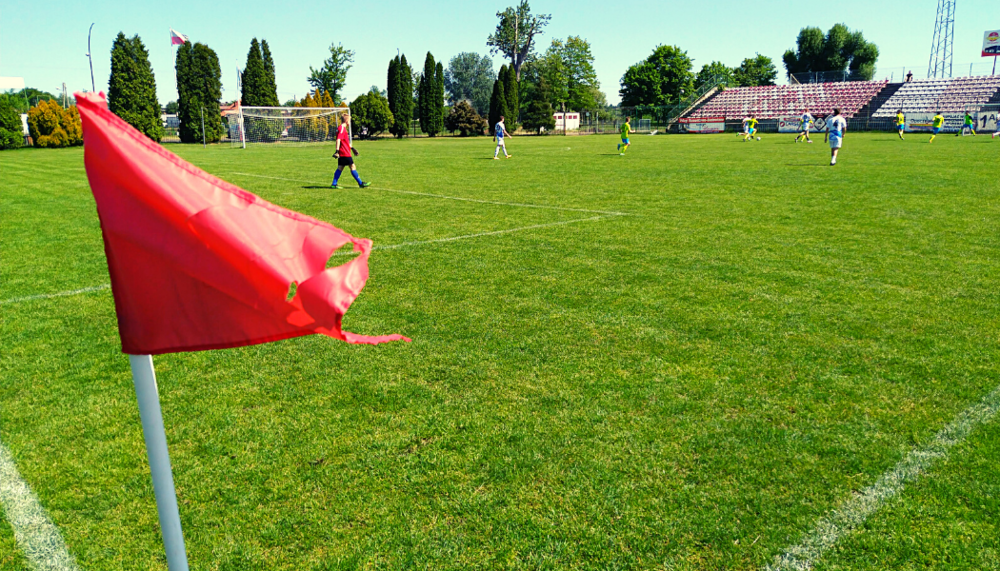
x=466 y=96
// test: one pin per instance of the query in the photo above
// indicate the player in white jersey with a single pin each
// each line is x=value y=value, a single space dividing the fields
x=805 y=122
x=836 y=127
x=499 y=131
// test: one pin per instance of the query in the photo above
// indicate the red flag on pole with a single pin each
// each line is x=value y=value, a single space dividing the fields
x=177 y=38
x=197 y=263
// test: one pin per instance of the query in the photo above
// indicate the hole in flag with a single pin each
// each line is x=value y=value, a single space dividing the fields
x=341 y=256
x=292 y=287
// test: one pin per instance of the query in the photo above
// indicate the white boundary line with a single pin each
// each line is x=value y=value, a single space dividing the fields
x=493 y=202
x=58 y=294
x=386 y=247
x=37 y=536
x=845 y=519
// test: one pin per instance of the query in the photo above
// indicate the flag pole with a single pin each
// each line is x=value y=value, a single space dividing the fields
x=144 y=379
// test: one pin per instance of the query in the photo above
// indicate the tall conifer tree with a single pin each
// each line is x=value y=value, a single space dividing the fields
x=199 y=89
x=498 y=101
x=255 y=79
x=512 y=96
x=439 y=96
x=401 y=103
x=132 y=87
x=270 y=86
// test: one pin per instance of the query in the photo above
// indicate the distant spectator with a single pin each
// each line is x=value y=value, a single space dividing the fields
x=909 y=77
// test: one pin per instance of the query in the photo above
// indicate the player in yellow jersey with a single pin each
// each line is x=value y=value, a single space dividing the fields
x=900 y=124
x=749 y=128
x=626 y=128
x=936 y=126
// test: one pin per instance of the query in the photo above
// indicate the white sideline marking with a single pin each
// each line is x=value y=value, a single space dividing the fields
x=855 y=511
x=493 y=202
x=34 y=532
x=386 y=247
x=58 y=294
x=479 y=235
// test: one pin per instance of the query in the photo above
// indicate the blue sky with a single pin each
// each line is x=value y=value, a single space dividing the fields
x=45 y=43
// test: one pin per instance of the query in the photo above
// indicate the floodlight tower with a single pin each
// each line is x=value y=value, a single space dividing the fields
x=942 y=48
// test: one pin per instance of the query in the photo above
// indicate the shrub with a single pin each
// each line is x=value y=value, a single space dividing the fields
x=464 y=119
x=11 y=132
x=52 y=126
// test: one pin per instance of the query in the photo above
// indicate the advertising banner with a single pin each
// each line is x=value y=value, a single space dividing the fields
x=991 y=43
x=703 y=124
x=922 y=122
x=791 y=124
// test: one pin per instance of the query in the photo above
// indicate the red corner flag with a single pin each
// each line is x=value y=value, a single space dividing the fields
x=197 y=263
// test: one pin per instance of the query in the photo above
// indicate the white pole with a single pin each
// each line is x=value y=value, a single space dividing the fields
x=144 y=379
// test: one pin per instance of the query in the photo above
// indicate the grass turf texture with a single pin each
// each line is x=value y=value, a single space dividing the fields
x=688 y=387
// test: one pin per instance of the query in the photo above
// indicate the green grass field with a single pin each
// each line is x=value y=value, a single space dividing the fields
x=737 y=343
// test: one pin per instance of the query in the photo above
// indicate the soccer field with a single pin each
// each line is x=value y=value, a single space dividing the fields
x=702 y=355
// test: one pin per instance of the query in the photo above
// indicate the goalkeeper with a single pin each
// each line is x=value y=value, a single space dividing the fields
x=343 y=154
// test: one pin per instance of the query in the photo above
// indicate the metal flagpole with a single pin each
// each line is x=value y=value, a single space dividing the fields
x=144 y=379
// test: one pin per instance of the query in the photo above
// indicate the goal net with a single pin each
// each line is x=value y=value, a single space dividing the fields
x=283 y=125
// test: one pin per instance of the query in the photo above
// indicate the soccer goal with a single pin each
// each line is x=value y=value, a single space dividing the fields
x=283 y=125
x=641 y=125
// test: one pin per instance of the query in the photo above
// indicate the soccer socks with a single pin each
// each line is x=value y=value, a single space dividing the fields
x=357 y=177
x=932 y=139
x=336 y=176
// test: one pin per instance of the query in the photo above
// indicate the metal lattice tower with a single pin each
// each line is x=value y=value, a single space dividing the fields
x=943 y=46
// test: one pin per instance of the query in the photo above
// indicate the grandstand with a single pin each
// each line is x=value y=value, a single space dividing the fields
x=775 y=101
x=945 y=95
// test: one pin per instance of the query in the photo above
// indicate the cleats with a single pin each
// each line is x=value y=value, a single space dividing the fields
x=365 y=185
x=496 y=158
x=334 y=186
x=508 y=156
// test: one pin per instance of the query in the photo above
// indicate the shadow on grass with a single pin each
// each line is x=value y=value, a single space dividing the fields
x=810 y=165
x=317 y=187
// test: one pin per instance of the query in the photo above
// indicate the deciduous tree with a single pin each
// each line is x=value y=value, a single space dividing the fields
x=660 y=79
x=838 y=50
x=715 y=71
x=332 y=76
x=758 y=70
x=370 y=114
x=470 y=77
x=515 y=34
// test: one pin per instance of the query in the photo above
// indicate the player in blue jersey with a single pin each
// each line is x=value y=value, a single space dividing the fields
x=498 y=134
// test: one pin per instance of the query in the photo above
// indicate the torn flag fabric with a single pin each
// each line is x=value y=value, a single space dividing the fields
x=197 y=263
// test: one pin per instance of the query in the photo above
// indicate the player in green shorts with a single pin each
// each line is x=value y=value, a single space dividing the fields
x=626 y=129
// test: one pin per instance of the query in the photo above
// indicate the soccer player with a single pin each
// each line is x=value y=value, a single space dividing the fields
x=804 y=123
x=344 y=149
x=936 y=126
x=498 y=134
x=626 y=129
x=969 y=124
x=836 y=127
x=900 y=124
x=749 y=127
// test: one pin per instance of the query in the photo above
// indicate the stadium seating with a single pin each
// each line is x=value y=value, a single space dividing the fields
x=775 y=101
x=945 y=95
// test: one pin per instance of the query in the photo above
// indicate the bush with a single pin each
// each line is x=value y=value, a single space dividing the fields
x=11 y=132
x=463 y=118
x=52 y=126
x=371 y=112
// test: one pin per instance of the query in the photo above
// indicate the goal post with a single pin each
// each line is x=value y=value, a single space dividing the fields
x=284 y=125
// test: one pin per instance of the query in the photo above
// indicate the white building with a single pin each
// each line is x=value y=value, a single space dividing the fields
x=569 y=121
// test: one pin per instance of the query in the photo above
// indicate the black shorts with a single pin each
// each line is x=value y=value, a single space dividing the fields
x=345 y=161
